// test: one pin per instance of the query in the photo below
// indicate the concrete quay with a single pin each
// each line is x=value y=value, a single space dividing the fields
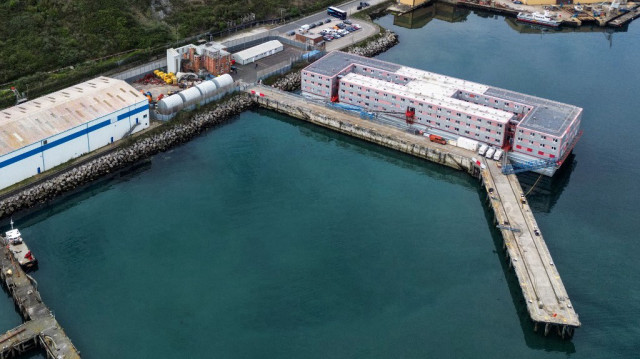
x=40 y=329
x=546 y=298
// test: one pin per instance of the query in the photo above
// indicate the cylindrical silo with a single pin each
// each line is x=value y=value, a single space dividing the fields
x=170 y=105
x=223 y=81
x=191 y=97
x=207 y=88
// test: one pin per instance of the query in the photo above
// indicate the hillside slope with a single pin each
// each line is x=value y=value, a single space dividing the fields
x=43 y=35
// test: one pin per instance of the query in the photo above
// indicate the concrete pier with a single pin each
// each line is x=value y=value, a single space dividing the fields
x=40 y=329
x=547 y=301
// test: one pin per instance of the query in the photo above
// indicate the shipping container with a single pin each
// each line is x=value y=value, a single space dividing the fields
x=467 y=144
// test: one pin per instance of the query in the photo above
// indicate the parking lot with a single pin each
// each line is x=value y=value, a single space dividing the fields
x=336 y=33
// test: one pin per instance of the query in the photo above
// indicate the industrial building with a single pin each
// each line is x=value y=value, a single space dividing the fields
x=40 y=134
x=211 y=56
x=531 y=127
x=257 y=52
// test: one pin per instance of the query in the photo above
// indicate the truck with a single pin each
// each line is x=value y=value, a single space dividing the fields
x=482 y=150
x=490 y=152
x=437 y=139
x=304 y=28
x=497 y=155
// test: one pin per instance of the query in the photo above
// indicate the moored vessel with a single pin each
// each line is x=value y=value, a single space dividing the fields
x=538 y=18
x=21 y=253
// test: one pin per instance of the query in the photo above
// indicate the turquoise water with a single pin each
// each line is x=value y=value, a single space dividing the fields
x=268 y=237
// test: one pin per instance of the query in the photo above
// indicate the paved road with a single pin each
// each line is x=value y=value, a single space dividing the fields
x=349 y=7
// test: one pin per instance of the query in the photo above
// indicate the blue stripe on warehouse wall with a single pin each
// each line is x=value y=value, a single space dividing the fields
x=132 y=112
x=70 y=137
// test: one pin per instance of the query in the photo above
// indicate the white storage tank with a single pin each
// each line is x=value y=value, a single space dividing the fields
x=170 y=105
x=223 y=81
x=207 y=88
x=191 y=96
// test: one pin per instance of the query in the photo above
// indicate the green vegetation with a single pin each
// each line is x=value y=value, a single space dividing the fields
x=46 y=45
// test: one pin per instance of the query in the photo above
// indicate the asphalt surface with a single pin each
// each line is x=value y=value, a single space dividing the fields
x=350 y=7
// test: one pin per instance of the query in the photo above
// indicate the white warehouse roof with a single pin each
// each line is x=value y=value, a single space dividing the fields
x=49 y=115
x=259 y=49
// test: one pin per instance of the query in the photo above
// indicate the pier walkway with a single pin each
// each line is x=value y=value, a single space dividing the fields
x=546 y=299
x=625 y=18
x=41 y=329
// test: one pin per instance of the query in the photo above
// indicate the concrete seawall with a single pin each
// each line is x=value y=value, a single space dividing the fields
x=450 y=156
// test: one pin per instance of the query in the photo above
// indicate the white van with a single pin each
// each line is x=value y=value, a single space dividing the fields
x=490 y=152
x=482 y=150
x=304 y=28
x=497 y=155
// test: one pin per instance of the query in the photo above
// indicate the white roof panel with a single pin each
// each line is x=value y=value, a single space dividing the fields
x=259 y=49
x=429 y=93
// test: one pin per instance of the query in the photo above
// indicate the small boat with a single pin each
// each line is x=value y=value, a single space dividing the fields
x=22 y=254
x=538 y=18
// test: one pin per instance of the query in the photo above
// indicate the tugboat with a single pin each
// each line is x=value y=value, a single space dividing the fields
x=538 y=18
x=20 y=251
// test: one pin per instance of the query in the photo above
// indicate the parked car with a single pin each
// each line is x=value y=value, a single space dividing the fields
x=291 y=33
x=348 y=22
x=356 y=26
x=350 y=28
x=327 y=38
x=341 y=26
x=337 y=36
x=359 y=7
x=319 y=23
x=327 y=21
x=312 y=26
x=343 y=32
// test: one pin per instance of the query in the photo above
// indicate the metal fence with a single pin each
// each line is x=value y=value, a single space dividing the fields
x=246 y=42
x=140 y=71
x=286 y=65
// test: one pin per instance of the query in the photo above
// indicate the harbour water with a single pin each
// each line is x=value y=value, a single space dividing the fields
x=268 y=237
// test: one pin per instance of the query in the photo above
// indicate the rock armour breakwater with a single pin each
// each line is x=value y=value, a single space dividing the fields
x=291 y=81
x=376 y=47
x=143 y=148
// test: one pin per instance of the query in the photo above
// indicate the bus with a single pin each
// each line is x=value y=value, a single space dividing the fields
x=335 y=12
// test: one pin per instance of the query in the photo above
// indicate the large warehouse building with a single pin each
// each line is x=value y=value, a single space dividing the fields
x=40 y=134
x=531 y=127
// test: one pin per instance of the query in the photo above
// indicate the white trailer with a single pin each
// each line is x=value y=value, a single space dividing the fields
x=490 y=152
x=483 y=149
x=497 y=155
x=467 y=143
